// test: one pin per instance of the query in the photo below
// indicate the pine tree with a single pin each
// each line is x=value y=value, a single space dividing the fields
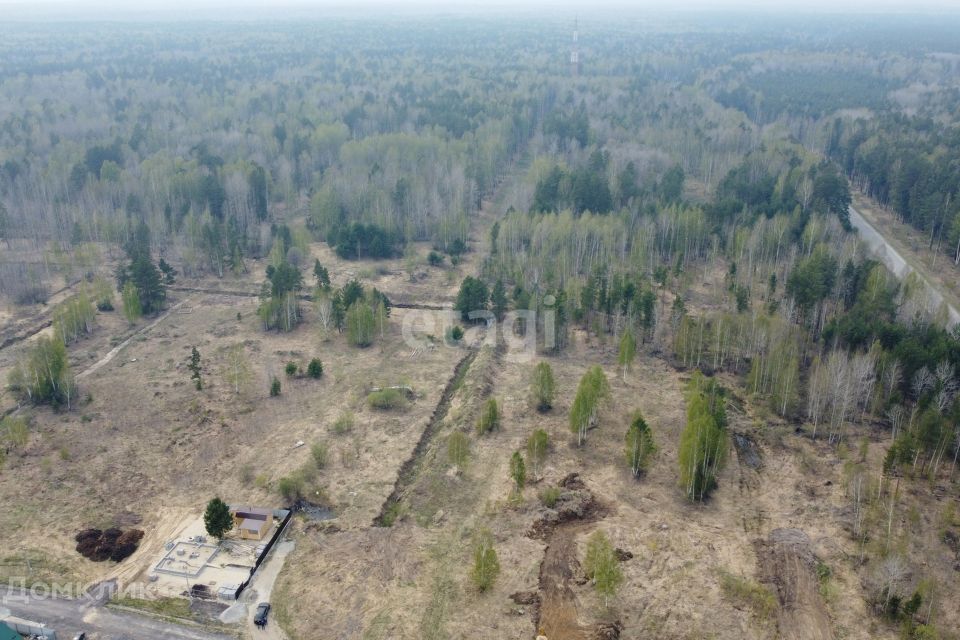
x=639 y=444
x=321 y=274
x=518 y=471
x=217 y=518
x=339 y=312
x=150 y=288
x=194 y=367
x=471 y=298
x=169 y=273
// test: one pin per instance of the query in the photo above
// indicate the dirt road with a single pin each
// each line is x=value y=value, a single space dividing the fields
x=262 y=586
x=259 y=591
x=120 y=347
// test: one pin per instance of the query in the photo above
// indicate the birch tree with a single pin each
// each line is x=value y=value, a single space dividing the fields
x=237 y=369
x=592 y=391
x=704 y=440
x=639 y=445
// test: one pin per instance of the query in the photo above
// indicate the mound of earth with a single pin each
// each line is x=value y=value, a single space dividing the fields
x=575 y=503
x=112 y=544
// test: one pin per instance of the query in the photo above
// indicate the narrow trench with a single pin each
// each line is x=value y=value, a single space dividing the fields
x=304 y=297
x=408 y=472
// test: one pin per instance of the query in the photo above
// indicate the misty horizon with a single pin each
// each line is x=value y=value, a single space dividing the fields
x=260 y=9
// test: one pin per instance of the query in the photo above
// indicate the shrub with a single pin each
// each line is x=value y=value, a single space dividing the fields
x=453 y=334
x=435 y=259
x=320 y=454
x=43 y=375
x=290 y=369
x=458 y=449
x=391 y=514
x=274 y=387
x=754 y=595
x=291 y=488
x=315 y=368
x=549 y=496
x=14 y=430
x=386 y=399
x=344 y=423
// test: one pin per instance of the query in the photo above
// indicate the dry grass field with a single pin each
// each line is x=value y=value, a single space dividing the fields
x=143 y=447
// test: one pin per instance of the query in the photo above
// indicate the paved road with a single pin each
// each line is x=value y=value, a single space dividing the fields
x=894 y=261
x=68 y=617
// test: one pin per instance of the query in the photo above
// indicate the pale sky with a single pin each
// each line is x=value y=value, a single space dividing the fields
x=75 y=7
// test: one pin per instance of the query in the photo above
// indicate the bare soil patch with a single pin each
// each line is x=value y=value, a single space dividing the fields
x=786 y=561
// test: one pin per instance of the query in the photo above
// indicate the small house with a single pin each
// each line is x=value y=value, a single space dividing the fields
x=252 y=523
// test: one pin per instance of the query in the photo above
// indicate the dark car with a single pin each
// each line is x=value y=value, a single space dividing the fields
x=260 y=617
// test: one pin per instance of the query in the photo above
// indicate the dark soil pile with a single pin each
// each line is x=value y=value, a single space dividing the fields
x=110 y=544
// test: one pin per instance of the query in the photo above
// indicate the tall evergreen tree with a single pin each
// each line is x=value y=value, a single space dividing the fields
x=518 y=471
x=217 y=518
x=472 y=297
x=195 y=368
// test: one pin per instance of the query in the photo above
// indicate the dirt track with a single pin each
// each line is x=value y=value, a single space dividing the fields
x=558 y=609
x=560 y=568
x=787 y=563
